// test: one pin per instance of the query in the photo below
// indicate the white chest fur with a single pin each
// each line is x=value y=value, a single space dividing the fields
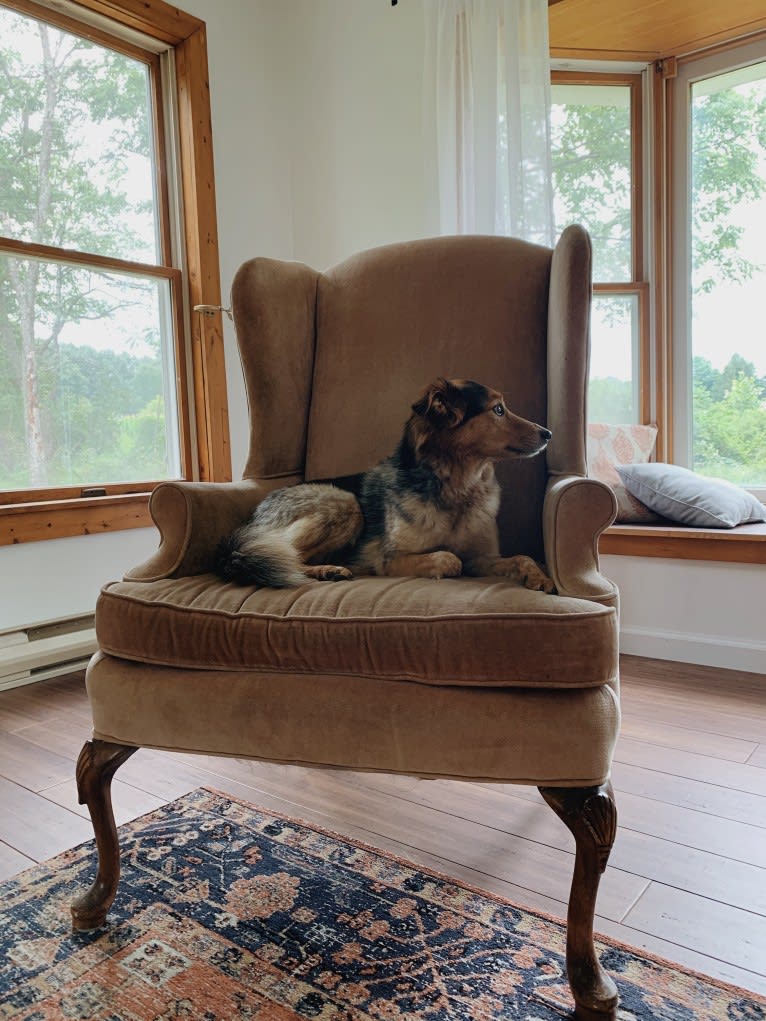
x=457 y=522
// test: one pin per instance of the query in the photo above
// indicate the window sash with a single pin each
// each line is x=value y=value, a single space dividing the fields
x=640 y=388
x=179 y=424
x=636 y=285
x=161 y=28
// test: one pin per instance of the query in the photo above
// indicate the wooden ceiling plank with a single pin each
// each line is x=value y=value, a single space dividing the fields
x=649 y=29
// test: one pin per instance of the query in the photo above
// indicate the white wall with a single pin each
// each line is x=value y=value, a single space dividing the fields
x=319 y=153
x=692 y=611
x=358 y=152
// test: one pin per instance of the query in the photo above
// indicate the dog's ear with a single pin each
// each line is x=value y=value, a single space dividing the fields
x=441 y=403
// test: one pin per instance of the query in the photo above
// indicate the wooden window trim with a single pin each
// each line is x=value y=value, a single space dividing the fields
x=637 y=284
x=634 y=83
x=211 y=457
x=743 y=545
x=746 y=544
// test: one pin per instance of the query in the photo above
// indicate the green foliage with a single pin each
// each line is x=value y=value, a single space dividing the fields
x=729 y=129
x=70 y=119
x=591 y=157
x=105 y=419
x=730 y=421
x=729 y=438
x=75 y=172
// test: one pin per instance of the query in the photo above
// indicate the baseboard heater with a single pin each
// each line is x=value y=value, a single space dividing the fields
x=40 y=651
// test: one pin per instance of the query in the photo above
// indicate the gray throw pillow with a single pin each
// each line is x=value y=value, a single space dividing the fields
x=682 y=495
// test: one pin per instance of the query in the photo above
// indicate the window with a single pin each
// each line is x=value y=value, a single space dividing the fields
x=107 y=383
x=719 y=266
x=596 y=150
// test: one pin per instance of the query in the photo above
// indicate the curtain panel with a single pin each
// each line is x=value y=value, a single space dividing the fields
x=487 y=89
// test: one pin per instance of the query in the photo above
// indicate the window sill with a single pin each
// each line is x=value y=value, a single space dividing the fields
x=745 y=544
x=60 y=519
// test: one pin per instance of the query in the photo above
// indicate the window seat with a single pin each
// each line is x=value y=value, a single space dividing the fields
x=745 y=544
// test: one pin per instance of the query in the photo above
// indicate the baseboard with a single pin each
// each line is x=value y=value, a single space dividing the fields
x=705 y=650
x=45 y=650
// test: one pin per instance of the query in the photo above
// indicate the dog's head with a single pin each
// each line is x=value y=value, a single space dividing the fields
x=469 y=420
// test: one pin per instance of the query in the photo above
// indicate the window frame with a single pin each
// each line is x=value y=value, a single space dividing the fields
x=691 y=69
x=653 y=273
x=57 y=512
x=637 y=286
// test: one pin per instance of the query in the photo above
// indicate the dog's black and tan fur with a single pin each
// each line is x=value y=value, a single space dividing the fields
x=428 y=510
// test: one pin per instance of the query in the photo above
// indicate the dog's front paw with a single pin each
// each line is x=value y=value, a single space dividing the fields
x=526 y=570
x=443 y=564
x=328 y=572
x=538 y=581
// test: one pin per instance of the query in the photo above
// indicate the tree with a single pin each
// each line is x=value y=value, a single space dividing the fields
x=730 y=421
x=61 y=185
x=591 y=169
x=729 y=129
x=591 y=154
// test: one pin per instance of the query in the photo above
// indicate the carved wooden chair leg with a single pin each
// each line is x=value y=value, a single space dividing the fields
x=96 y=765
x=591 y=815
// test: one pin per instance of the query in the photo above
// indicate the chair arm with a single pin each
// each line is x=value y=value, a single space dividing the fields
x=192 y=518
x=575 y=513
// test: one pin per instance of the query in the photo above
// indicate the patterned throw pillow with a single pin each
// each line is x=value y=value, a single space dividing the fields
x=610 y=445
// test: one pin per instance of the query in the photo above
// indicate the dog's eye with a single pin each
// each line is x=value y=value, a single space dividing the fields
x=499 y=410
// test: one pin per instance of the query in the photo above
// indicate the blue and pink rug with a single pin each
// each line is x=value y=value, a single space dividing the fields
x=226 y=912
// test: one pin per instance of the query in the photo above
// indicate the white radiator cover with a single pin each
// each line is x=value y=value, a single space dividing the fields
x=44 y=650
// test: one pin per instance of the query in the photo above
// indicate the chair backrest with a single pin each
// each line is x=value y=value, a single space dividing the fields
x=333 y=361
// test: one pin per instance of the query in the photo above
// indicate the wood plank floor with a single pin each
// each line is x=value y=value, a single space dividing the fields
x=687 y=877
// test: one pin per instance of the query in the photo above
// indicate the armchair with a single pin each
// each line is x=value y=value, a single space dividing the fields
x=467 y=678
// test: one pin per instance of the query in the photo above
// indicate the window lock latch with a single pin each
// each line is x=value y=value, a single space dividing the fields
x=210 y=310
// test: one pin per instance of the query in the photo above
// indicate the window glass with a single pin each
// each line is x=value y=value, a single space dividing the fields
x=613 y=383
x=87 y=374
x=728 y=275
x=591 y=153
x=93 y=400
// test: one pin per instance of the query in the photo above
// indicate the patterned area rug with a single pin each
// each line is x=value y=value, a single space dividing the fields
x=228 y=912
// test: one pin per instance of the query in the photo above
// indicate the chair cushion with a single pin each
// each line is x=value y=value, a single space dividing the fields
x=464 y=631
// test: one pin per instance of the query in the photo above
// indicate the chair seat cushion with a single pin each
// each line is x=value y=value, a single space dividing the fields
x=465 y=631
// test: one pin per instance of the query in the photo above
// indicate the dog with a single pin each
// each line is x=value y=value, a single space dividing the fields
x=429 y=510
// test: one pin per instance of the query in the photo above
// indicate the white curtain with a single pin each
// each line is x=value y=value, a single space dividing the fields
x=487 y=89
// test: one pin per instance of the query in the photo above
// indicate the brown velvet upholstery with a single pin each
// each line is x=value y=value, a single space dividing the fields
x=471 y=678
x=346 y=721
x=331 y=363
x=471 y=632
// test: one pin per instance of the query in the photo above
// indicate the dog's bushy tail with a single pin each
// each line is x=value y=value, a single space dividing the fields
x=263 y=558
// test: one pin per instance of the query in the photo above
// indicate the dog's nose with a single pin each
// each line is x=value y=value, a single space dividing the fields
x=545 y=434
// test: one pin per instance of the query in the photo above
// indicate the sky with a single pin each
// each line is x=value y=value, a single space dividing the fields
x=732 y=318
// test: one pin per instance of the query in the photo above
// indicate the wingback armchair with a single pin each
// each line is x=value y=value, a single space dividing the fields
x=467 y=678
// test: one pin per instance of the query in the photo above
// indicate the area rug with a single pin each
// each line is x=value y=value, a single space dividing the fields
x=227 y=912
